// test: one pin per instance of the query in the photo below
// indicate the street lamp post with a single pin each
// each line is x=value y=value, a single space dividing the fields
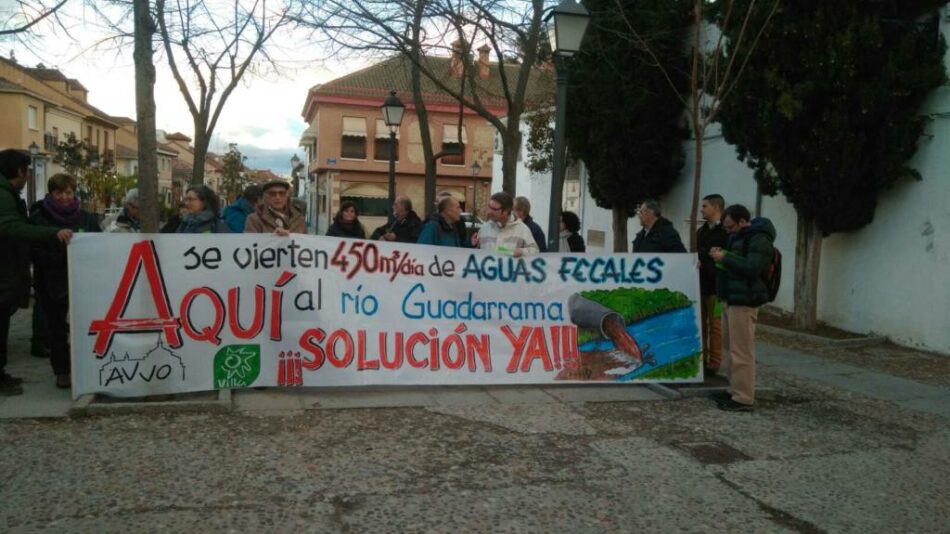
x=393 y=110
x=295 y=174
x=31 y=188
x=476 y=170
x=566 y=32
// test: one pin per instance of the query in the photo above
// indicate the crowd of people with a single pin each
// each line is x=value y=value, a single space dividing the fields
x=733 y=250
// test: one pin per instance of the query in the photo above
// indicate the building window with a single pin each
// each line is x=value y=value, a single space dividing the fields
x=353 y=143
x=31 y=112
x=381 y=147
x=89 y=134
x=105 y=140
x=455 y=150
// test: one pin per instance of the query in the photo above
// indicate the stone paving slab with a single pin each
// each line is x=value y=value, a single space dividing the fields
x=263 y=400
x=881 y=386
x=603 y=393
x=351 y=398
x=935 y=405
x=40 y=398
x=519 y=394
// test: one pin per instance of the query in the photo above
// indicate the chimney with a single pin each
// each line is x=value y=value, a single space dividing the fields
x=484 y=69
x=457 y=64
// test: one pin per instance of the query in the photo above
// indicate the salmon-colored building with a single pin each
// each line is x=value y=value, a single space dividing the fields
x=347 y=142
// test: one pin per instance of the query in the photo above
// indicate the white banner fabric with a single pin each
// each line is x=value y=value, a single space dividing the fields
x=158 y=314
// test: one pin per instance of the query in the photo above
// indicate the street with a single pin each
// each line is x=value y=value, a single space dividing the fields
x=812 y=458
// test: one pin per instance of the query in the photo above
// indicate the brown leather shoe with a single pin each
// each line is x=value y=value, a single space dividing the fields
x=64 y=381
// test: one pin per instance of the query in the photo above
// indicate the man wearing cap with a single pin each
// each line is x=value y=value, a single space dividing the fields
x=276 y=214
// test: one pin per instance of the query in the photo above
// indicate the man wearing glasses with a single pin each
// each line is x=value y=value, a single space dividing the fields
x=742 y=290
x=276 y=215
x=504 y=233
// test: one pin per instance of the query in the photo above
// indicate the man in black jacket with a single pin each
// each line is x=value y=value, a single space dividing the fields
x=742 y=290
x=403 y=227
x=16 y=234
x=523 y=210
x=658 y=234
x=711 y=234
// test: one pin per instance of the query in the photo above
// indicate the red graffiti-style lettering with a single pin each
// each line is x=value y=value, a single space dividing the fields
x=517 y=344
x=142 y=256
x=310 y=342
x=210 y=333
x=415 y=339
x=556 y=345
x=234 y=312
x=537 y=349
x=362 y=364
x=347 y=339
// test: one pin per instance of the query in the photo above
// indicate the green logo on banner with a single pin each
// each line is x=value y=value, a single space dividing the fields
x=237 y=366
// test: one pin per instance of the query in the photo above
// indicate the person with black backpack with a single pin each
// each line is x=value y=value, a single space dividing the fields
x=741 y=284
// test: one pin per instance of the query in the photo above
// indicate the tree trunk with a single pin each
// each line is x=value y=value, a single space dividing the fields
x=699 y=134
x=145 y=116
x=511 y=141
x=807 y=262
x=620 y=230
x=201 y=142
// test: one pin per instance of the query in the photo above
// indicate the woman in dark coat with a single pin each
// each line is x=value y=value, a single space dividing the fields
x=346 y=223
x=571 y=240
x=202 y=214
x=60 y=209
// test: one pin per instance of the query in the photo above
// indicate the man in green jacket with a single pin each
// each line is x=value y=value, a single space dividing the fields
x=742 y=290
x=16 y=235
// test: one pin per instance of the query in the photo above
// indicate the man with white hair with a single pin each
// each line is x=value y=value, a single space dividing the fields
x=128 y=221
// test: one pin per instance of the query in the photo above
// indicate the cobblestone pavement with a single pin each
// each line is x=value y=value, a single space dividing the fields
x=811 y=458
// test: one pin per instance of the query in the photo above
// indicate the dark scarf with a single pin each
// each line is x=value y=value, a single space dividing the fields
x=193 y=221
x=68 y=215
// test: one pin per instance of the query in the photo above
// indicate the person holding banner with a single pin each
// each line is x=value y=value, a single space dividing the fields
x=16 y=234
x=346 y=222
x=276 y=215
x=403 y=227
x=60 y=210
x=201 y=212
x=710 y=235
x=441 y=230
x=504 y=233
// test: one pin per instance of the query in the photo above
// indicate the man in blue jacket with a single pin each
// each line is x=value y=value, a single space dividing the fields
x=235 y=215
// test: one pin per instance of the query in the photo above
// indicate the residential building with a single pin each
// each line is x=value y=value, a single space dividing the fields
x=127 y=158
x=43 y=106
x=347 y=142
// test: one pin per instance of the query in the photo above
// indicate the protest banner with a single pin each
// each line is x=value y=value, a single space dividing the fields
x=158 y=314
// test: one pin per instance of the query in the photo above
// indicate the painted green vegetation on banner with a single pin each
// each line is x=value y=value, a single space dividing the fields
x=634 y=304
x=237 y=366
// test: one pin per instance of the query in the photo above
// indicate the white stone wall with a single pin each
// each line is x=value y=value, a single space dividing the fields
x=890 y=278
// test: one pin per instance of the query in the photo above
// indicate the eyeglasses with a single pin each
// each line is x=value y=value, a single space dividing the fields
x=494 y=208
x=277 y=193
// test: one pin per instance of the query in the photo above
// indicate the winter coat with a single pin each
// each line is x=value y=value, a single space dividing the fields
x=663 y=237
x=406 y=229
x=16 y=236
x=203 y=223
x=123 y=224
x=537 y=232
x=437 y=231
x=739 y=281
x=706 y=238
x=571 y=242
x=512 y=236
x=353 y=231
x=50 y=268
x=265 y=221
x=235 y=214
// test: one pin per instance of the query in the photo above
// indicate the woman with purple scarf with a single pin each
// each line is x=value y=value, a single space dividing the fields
x=60 y=209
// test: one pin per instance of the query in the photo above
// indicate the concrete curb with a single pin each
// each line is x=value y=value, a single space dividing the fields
x=866 y=341
x=666 y=391
x=87 y=405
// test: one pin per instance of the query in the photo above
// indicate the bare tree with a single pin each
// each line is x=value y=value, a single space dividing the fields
x=214 y=48
x=24 y=16
x=711 y=81
x=511 y=29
